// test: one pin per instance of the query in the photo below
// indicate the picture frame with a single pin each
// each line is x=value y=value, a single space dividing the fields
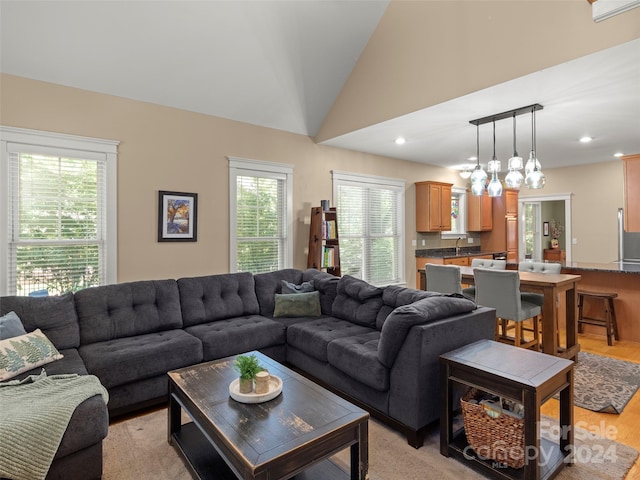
x=177 y=216
x=545 y=229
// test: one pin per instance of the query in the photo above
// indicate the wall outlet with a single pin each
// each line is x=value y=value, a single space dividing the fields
x=306 y=250
x=424 y=243
x=307 y=220
x=469 y=240
x=574 y=241
x=414 y=242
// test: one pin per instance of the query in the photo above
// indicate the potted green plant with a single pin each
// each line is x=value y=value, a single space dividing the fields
x=247 y=366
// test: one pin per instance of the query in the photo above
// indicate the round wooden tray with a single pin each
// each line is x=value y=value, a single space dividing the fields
x=275 y=388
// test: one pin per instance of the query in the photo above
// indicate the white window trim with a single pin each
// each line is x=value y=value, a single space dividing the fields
x=388 y=182
x=240 y=166
x=463 y=215
x=87 y=147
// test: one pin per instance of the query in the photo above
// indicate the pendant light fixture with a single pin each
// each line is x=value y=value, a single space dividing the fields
x=478 y=176
x=534 y=179
x=494 y=189
x=514 y=178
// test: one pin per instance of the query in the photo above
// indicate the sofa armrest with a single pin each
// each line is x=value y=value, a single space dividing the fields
x=414 y=396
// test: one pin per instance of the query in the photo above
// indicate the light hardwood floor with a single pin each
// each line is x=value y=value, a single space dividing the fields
x=628 y=422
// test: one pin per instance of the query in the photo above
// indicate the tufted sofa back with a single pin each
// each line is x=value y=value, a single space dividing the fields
x=357 y=301
x=217 y=297
x=127 y=309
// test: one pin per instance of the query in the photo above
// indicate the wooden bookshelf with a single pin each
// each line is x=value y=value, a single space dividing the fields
x=324 y=246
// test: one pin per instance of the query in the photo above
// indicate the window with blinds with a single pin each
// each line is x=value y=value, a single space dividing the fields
x=260 y=216
x=371 y=218
x=56 y=220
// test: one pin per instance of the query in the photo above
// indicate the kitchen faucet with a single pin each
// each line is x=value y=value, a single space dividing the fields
x=457 y=246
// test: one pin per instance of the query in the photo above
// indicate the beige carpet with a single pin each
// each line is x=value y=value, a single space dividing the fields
x=137 y=449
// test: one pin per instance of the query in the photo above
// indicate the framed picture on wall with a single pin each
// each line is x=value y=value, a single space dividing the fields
x=177 y=216
x=545 y=229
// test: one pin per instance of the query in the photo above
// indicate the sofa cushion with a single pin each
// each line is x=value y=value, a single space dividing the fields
x=357 y=356
x=237 y=335
x=25 y=352
x=54 y=315
x=326 y=284
x=10 y=326
x=357 y=301
x=305 y=304
x=313 y=336
x=127 y=309
x=268 y=284
x=402 y=319
x=131 y=359
x=304 y=287
x=217 y=297
x=394 y=296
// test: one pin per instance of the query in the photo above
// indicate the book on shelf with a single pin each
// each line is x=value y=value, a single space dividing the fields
x=328 y=257
x=329 y=230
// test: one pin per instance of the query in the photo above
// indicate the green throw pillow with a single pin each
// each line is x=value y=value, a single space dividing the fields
x=22 y=353
x=297 y=305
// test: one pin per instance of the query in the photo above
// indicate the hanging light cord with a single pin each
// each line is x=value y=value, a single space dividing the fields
x=515 y=151
x=478 y=144
x=494 y=139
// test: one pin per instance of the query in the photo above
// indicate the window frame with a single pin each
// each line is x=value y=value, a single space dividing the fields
x=58 y=144
x=258 y=168
x=395 y=184
x=462 y=231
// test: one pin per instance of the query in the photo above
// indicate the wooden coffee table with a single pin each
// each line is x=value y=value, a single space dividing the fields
x=291 y=436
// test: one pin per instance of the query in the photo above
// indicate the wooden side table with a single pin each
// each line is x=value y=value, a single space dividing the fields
x=554 y=255
x=528 y=377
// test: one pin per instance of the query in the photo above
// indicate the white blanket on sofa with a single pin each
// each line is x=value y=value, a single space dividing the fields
x=34 y=414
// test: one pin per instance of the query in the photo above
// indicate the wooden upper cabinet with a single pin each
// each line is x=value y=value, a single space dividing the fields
x=631 y=193
x=479 y=212
x=433 y=206
x=511 y=203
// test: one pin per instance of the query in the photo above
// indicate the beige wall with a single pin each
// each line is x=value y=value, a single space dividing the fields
x=163 y=148
x=423 y=53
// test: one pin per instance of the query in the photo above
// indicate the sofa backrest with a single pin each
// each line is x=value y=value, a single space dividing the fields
x=127 y=309
x=357 y=301
x=54 y=315
x=270 y=283
x=395 y=296
x=326 y=284
x=217 y=297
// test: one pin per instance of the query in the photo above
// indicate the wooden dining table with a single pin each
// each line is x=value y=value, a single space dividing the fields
x=551 y=285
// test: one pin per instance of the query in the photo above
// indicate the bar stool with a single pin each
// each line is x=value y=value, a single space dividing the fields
x=609 y=320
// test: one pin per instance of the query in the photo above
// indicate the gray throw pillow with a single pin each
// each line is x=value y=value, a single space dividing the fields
x=305 y=304
x=304 y=287
x=11 y=326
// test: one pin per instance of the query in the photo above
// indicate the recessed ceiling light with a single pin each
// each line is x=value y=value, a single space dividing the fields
x=618 y=154
x=400 y=141
x=472 y=159
x=586 y=139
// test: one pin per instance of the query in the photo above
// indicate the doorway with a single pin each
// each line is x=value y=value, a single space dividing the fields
x=534 y=211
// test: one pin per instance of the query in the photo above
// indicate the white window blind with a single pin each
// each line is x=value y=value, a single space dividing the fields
x=57 y=223
x=260 y=216
x=370 y=227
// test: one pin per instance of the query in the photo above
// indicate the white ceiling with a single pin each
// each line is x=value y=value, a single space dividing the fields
x=281 y=64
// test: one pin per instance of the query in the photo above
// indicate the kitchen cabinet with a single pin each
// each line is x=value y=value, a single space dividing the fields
x=631 y=193
x=479 y=212
x=433 y=206
x=504 y=235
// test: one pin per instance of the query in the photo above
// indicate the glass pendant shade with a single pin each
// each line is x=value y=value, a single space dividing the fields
x=514 y=178
x=479 y=176
x=477 y=188
x=516 y=162
x=535 y=179
x=532 y=163
x=494 y=189
x=493 y=165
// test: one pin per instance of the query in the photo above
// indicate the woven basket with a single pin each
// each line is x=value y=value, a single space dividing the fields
x=500 y=439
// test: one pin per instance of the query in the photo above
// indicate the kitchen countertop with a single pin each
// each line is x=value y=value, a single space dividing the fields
x=612 y=267
x=451 y=252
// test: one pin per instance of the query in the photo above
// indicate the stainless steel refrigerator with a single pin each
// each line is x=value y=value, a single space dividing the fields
x=628 y=242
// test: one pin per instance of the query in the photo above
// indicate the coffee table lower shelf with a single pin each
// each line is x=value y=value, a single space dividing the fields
x=204 y=462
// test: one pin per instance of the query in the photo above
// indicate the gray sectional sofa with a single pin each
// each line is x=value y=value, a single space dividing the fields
x=378 y=347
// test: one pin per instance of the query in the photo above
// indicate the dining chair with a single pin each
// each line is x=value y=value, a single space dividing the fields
x=500 y=289
x=443 y=278
x=470 y=292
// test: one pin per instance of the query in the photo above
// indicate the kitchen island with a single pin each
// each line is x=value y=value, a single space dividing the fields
x=450 y=256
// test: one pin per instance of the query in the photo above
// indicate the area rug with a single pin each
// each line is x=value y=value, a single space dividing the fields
x=604 y=384
x=137 y=449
